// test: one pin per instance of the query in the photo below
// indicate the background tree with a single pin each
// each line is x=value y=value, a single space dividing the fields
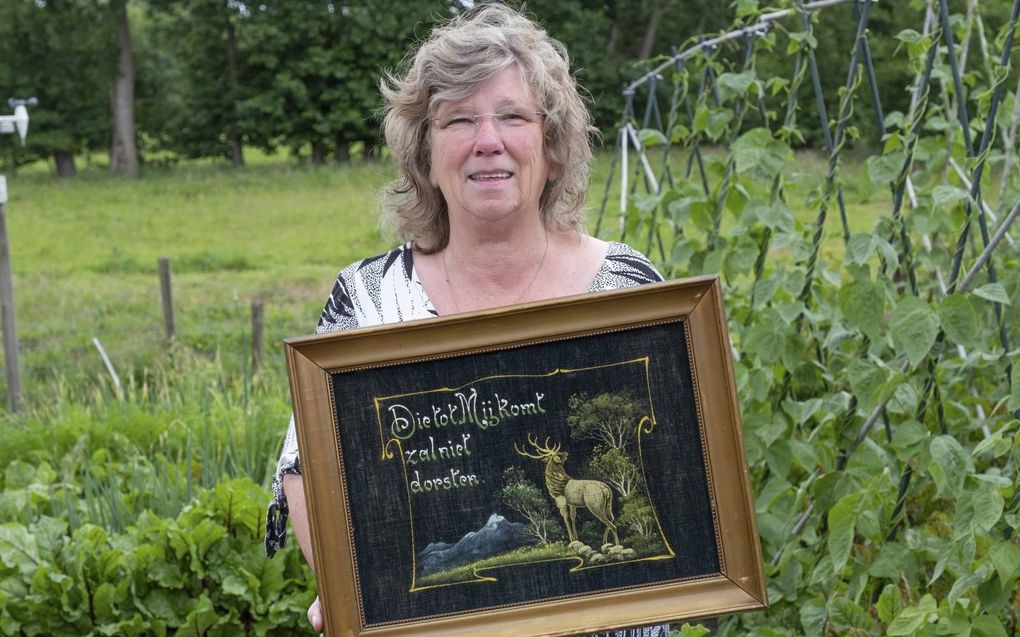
x=609 y=419
x=63 y=53
x=608 y=40
x=521 y=495
x=204 y=39
x=314 y=69
x=123 y=149
x=212 y=76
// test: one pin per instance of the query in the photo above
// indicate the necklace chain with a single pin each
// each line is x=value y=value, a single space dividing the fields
x=524 y=292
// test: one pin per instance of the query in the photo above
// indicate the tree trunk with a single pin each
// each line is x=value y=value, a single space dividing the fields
x=65 y=164
x=343 y=151
x=318 y=153
x=648 y=44
x=233 y=136
x=614 y=27
x=236 y=150
x=123 y=150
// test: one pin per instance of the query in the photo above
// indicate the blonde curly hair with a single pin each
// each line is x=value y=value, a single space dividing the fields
x=454 y=62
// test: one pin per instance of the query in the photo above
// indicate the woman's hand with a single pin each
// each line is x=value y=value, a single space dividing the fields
x=315 y=615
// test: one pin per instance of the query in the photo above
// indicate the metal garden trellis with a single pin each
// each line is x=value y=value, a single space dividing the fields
x=634 y=172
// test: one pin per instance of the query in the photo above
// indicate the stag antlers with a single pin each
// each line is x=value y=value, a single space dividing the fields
x=543 y=450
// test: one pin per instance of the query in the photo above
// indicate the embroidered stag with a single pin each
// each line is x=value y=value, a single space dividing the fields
x=570 y=494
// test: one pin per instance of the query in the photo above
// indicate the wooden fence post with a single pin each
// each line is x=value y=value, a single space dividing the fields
x=165 y=292
x=257 y=328
x=11 y=366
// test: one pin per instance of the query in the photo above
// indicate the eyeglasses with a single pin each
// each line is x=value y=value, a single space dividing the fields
x=462 y=123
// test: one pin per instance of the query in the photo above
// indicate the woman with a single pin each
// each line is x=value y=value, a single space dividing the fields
x=492 y=139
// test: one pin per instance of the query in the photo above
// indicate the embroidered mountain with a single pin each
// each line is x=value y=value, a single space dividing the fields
x=497 y=536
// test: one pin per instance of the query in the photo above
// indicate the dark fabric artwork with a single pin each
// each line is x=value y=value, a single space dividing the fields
x=505 y=477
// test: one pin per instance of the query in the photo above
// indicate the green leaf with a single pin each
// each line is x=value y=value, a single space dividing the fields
x=800 y=412
x=862 y=245
x=892 y=558
x=863 y=305
x=842 y=518
x=158 y=603
x=701 y=119
x=766 y=338
x=895 y=119
x=909 y=36
x=968 y=582
x=988 y=626
x=803 y=453
x=812 y=616
x=235 y=585
x=957 y=624
x=988 y=505
x=734 y=84
x=959 y=318
x=779 y=458
x=680 y=134
x=801 y=40
x=17 y=548
x=914 y=328
x=646 y=203
x=945 y=195
x=201 y=619
x=949 y=465
x=712 y=121
x=651 y=137
x=865 y=377
x=104 y=599
x=913 y=618
x=890 y=603
x=778 y=216
x=903 y=400
x=697 y=630
x=1006 y=558
x=883 y=169
x=994 y=292
x=19 y=475
x=994 y=444
x=846 y=615
x=746 y=8
x=757 y=150
x=907 y=437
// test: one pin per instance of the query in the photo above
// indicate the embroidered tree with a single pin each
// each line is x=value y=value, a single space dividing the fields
x=609 y=418
x=618 y=469
x=526 y=499
x=637 y=515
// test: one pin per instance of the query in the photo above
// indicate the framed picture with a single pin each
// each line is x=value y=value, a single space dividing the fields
x=556 y=468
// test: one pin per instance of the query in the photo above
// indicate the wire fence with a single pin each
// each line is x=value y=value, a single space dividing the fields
x=96 y=344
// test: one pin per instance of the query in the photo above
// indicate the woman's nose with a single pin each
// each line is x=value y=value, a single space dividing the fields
x=488 y=136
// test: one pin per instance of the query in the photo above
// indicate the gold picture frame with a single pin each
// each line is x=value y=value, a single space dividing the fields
x=410 y=434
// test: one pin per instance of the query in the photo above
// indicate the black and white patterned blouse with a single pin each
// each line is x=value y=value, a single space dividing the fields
x=386 y=289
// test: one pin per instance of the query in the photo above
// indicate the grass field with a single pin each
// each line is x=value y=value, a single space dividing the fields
x=85 y=255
